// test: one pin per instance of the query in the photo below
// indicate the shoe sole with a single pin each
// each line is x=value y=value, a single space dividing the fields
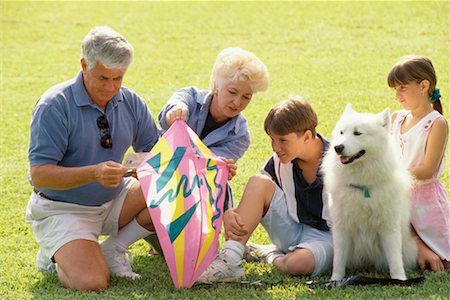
x=233 y=279
x=251 y=256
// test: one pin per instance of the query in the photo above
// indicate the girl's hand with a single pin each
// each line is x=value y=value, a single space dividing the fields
x=426 y=258
x=231 y=165
x=177 y=112
x=233 y=225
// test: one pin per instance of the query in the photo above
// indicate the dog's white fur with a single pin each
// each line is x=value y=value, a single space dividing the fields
x=368 y=197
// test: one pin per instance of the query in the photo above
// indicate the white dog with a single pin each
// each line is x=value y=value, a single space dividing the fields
x=368 y=196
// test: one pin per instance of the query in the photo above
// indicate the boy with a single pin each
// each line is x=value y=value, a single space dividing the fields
x=287 y=199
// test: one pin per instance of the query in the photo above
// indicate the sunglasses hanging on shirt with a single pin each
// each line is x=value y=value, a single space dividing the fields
x=105 y=136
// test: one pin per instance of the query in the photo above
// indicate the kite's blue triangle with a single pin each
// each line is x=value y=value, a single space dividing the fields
x=176 y=227
x=155 y=162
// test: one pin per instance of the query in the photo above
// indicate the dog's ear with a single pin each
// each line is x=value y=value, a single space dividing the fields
x=385 y=117
x=348 y=109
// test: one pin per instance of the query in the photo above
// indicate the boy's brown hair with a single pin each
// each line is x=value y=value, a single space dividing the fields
x=292 y=115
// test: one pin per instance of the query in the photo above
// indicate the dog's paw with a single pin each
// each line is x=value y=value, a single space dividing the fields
x=397 y=273
x=399 y=277
x=335 y=277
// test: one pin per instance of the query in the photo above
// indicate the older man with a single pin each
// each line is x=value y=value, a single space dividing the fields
x=80 y=131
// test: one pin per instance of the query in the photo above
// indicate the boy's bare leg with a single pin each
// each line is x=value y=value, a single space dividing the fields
x=299 y=262
x=253 y=206
x=239 y=225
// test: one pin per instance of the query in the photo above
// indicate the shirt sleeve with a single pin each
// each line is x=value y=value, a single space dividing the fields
x=269 y=169
x=48 y=135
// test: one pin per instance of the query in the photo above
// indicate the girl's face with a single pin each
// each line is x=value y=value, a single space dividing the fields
x=230 y=99
x=411 y=94
x=287 y=147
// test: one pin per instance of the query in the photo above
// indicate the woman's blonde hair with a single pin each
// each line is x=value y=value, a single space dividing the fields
x=236 y=64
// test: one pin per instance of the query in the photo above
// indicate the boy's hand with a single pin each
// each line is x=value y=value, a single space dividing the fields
x=234 y=227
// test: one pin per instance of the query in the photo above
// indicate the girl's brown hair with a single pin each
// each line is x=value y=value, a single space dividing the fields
x=415 y=68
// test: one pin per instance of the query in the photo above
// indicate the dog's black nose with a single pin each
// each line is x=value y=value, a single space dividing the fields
x=339 y=148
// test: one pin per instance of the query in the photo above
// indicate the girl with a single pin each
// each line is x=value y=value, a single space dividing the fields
x=421 y=131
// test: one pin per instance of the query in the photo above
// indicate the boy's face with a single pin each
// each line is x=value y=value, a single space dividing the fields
x=287 y=147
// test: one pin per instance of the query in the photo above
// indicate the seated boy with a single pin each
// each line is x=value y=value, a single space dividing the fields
x=287 y=199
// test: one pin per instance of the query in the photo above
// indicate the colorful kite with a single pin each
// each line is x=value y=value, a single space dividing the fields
x=184 y=184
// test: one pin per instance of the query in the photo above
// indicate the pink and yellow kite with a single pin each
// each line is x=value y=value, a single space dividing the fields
x=184 y=184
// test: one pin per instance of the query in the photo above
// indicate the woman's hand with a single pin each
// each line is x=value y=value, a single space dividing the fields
x=231 y=165
x=177 y=112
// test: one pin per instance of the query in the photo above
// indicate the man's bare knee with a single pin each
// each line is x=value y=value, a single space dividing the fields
x=90 y=282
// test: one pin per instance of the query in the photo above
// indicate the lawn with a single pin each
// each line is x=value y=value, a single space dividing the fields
x=329 y=52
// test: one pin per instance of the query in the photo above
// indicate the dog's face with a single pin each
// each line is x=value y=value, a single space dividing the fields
x=358 y=136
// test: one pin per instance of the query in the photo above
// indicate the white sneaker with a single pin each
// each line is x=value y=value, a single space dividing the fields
x=119 y=262
x=222 y=269
x=44 y=264
x=261 y=253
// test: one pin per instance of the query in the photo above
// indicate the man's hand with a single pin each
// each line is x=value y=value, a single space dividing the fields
x=109 y=174
x=177 y=112
x=234 y=227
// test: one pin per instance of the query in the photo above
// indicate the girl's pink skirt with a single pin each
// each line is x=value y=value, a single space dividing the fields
x=430 y=216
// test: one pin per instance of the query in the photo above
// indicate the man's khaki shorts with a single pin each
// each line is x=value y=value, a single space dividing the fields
x=56 y=223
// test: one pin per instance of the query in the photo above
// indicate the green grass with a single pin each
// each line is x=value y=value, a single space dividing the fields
x=330 y=52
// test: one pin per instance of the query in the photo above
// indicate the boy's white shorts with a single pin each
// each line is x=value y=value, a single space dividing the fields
x=288 y=234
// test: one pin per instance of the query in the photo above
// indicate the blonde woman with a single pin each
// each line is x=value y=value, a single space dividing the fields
x=215 y=114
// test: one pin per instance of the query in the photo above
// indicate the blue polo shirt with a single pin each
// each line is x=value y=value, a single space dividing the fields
x=230 y=140
x=64 y=132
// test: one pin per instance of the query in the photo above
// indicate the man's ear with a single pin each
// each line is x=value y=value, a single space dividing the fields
x=83 y=65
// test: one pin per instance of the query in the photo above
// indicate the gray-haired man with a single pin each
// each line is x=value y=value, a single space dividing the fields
x=80 y=131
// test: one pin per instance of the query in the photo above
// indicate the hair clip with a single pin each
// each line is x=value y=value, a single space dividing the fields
x=436 y=95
